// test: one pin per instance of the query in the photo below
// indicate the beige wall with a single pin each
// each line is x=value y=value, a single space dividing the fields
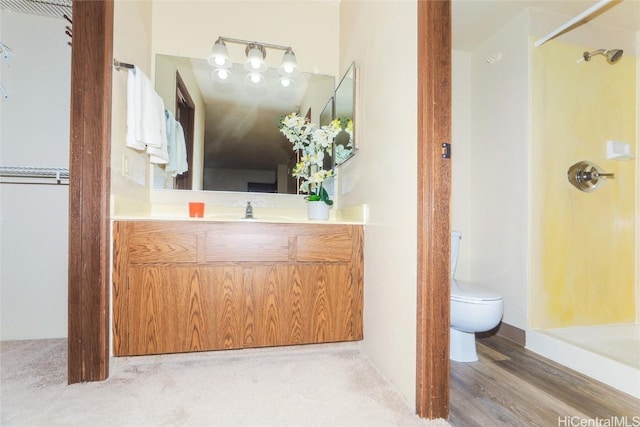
x=498 y=170
x=381 y=38
x=131 y=44
x=189 y=28
x=461 y=157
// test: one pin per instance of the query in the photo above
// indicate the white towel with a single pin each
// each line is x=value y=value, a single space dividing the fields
x=159 y=154
x=176 y=146
x=181 y=150
x=172 y=165
x=145 y=117
x=134 y=96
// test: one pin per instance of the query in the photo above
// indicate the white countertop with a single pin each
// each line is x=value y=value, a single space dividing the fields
x=263 y=213
x=223 y=218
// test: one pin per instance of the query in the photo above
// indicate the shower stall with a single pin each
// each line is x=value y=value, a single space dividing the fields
x=546 y=185
x=583 y=300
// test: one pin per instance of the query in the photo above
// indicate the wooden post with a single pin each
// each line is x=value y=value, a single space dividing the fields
x=434 y=193
x=89 y=189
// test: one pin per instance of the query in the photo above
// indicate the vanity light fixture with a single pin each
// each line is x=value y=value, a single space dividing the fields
x=255 y=58
x=219 y=57
x=255 y=64
x=289 y=63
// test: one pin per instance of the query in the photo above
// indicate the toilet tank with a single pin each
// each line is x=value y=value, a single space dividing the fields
x=455 y=247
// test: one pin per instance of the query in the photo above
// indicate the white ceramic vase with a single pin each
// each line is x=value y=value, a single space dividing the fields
x=317 y=210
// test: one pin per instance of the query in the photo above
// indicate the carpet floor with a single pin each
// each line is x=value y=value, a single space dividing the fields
x=319 y=385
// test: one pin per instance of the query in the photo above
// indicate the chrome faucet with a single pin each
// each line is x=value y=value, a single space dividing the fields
x=248 y=212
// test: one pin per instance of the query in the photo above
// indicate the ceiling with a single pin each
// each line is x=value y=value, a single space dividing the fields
x=475 y=20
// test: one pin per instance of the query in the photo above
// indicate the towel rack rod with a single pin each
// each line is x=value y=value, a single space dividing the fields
x=122 y=65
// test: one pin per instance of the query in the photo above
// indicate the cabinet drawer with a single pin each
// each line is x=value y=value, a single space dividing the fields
x=247 y=247
x=324 y=247
x=162 y=248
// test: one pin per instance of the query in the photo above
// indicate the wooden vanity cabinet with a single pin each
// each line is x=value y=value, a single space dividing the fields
x=182 y=286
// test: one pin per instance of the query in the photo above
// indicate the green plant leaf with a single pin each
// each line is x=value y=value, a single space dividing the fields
x=324 y=196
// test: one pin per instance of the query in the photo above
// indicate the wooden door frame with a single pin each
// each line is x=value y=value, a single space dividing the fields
x=89 y=191
x=434 y=194
x=183 y=97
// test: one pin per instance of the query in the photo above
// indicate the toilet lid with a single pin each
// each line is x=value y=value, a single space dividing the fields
x=469 y=292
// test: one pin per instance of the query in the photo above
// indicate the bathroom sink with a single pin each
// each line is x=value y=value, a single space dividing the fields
x=261 y=218
x=225 y=217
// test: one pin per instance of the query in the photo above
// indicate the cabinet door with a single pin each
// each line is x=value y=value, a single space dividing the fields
x=301 y=304
x=175 y=309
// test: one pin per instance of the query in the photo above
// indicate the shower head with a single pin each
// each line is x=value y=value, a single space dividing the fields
x=613 y=55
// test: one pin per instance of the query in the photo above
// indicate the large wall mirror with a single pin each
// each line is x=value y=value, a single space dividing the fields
x=237 y=131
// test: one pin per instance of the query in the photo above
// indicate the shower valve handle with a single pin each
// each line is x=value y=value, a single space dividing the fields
x=586 y=176
x=595 y=175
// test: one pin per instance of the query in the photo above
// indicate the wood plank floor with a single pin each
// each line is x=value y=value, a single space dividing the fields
x=512 y=386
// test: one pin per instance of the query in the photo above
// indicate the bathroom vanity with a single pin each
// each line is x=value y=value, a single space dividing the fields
x=196 y=285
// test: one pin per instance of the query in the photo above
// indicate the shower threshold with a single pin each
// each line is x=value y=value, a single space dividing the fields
x=607 y=353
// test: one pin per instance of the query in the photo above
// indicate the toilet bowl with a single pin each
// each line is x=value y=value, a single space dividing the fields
x=474 y=308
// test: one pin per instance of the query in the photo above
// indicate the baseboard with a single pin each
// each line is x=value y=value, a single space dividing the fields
x=512 y=333
x=506 y=331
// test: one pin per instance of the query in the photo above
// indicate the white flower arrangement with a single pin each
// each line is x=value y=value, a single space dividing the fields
x=312 y=143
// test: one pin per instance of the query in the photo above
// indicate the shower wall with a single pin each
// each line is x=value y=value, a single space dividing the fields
x=583 y=244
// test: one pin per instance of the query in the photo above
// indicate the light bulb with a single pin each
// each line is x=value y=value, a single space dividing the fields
x=255 y=58
x=285 y=82
x=289 y=63
x=222 y=76
x=288 y=68
x=254 y=80
x=219 y=57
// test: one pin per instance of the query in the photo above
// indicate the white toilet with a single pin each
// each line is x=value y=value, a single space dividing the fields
x=474 y=309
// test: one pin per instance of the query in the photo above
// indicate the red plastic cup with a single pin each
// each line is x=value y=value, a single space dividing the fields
x=196 y=209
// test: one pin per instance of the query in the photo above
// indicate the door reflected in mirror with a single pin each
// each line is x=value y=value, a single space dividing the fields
x=237 y=144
